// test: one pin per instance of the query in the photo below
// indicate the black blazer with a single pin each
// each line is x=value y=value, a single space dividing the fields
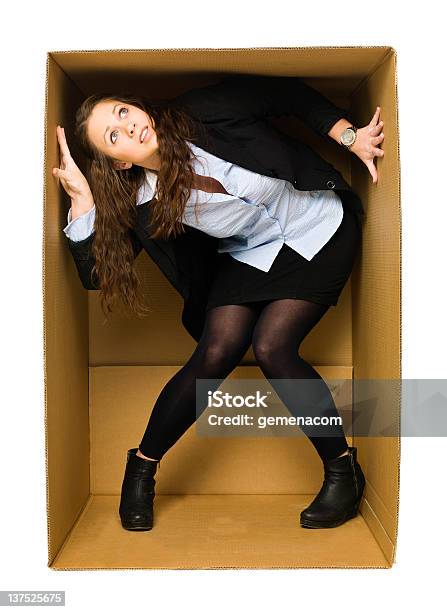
x=232 y=123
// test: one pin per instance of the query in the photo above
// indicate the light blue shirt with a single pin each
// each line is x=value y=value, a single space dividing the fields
x=254 y=221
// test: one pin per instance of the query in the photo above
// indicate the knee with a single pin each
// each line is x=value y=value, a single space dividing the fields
x=218 y=357
x=264 y=352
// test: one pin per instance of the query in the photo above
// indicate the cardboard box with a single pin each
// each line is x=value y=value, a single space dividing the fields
x=225 y=502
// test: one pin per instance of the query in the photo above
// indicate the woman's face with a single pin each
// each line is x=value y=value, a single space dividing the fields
x=117 y=129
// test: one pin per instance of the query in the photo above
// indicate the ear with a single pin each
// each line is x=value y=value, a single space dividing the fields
x=122 y=165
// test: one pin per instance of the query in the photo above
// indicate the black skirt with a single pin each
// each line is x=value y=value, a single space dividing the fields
x=319 y=280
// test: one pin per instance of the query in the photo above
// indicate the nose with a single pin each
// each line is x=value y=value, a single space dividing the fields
x=131 y=128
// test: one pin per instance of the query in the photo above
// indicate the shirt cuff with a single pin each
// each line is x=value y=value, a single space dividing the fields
x=82 y=227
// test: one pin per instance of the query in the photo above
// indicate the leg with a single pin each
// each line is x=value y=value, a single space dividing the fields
x=279 y=331
x=225 y=340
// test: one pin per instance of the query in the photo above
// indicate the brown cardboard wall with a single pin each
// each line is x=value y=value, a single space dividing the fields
x=65 y=338
x=376 y=313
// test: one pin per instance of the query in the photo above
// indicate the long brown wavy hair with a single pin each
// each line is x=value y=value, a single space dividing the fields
x=115 y=192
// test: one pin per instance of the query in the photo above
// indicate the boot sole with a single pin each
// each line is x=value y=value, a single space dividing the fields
x=136 y=527
x=307 y=523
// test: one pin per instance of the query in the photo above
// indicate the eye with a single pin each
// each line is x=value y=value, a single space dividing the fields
x=121 y=116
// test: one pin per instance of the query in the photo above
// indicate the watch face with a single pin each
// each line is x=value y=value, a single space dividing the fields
x=348 y=136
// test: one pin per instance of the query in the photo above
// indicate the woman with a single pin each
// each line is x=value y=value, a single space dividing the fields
x=255 y=230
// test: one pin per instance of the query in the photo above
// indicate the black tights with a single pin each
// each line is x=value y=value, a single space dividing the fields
x=276 y=329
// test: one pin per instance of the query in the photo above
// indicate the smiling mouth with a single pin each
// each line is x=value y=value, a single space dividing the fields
x=143 y=134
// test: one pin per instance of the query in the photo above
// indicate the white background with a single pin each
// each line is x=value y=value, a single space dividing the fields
x=417 y=32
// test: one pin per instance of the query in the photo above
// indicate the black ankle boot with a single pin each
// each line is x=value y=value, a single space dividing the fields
x=339 y=497
x=137 y=493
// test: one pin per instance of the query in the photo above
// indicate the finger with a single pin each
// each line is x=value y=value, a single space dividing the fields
x=372 y=170
x=375 y=116
x=375 y=129
x=378 y=139
x=59 y=173
x=63 y=141
x=378 y=152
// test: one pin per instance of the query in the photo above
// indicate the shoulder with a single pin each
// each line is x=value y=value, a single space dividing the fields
x=219 y=101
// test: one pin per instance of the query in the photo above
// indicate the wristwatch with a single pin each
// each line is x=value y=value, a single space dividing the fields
x=348 y=136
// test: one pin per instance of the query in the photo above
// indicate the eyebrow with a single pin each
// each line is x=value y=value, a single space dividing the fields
x=108 y=127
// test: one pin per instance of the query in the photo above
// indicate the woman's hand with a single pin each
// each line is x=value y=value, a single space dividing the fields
x=72 y=179
x=366 y=145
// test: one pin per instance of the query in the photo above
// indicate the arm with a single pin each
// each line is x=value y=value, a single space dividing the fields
x=242 y=96
x=264 y=96
x=80 y=234
x=81 y=227
x=84 y=261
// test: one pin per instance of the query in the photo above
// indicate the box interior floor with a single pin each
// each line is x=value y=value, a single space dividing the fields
x=221 y=502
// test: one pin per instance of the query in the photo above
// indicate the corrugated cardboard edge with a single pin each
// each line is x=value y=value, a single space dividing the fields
x=226 y=49
x=393 y=52
x=45 y=377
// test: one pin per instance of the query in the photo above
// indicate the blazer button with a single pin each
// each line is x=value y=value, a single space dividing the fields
x=330 y=184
